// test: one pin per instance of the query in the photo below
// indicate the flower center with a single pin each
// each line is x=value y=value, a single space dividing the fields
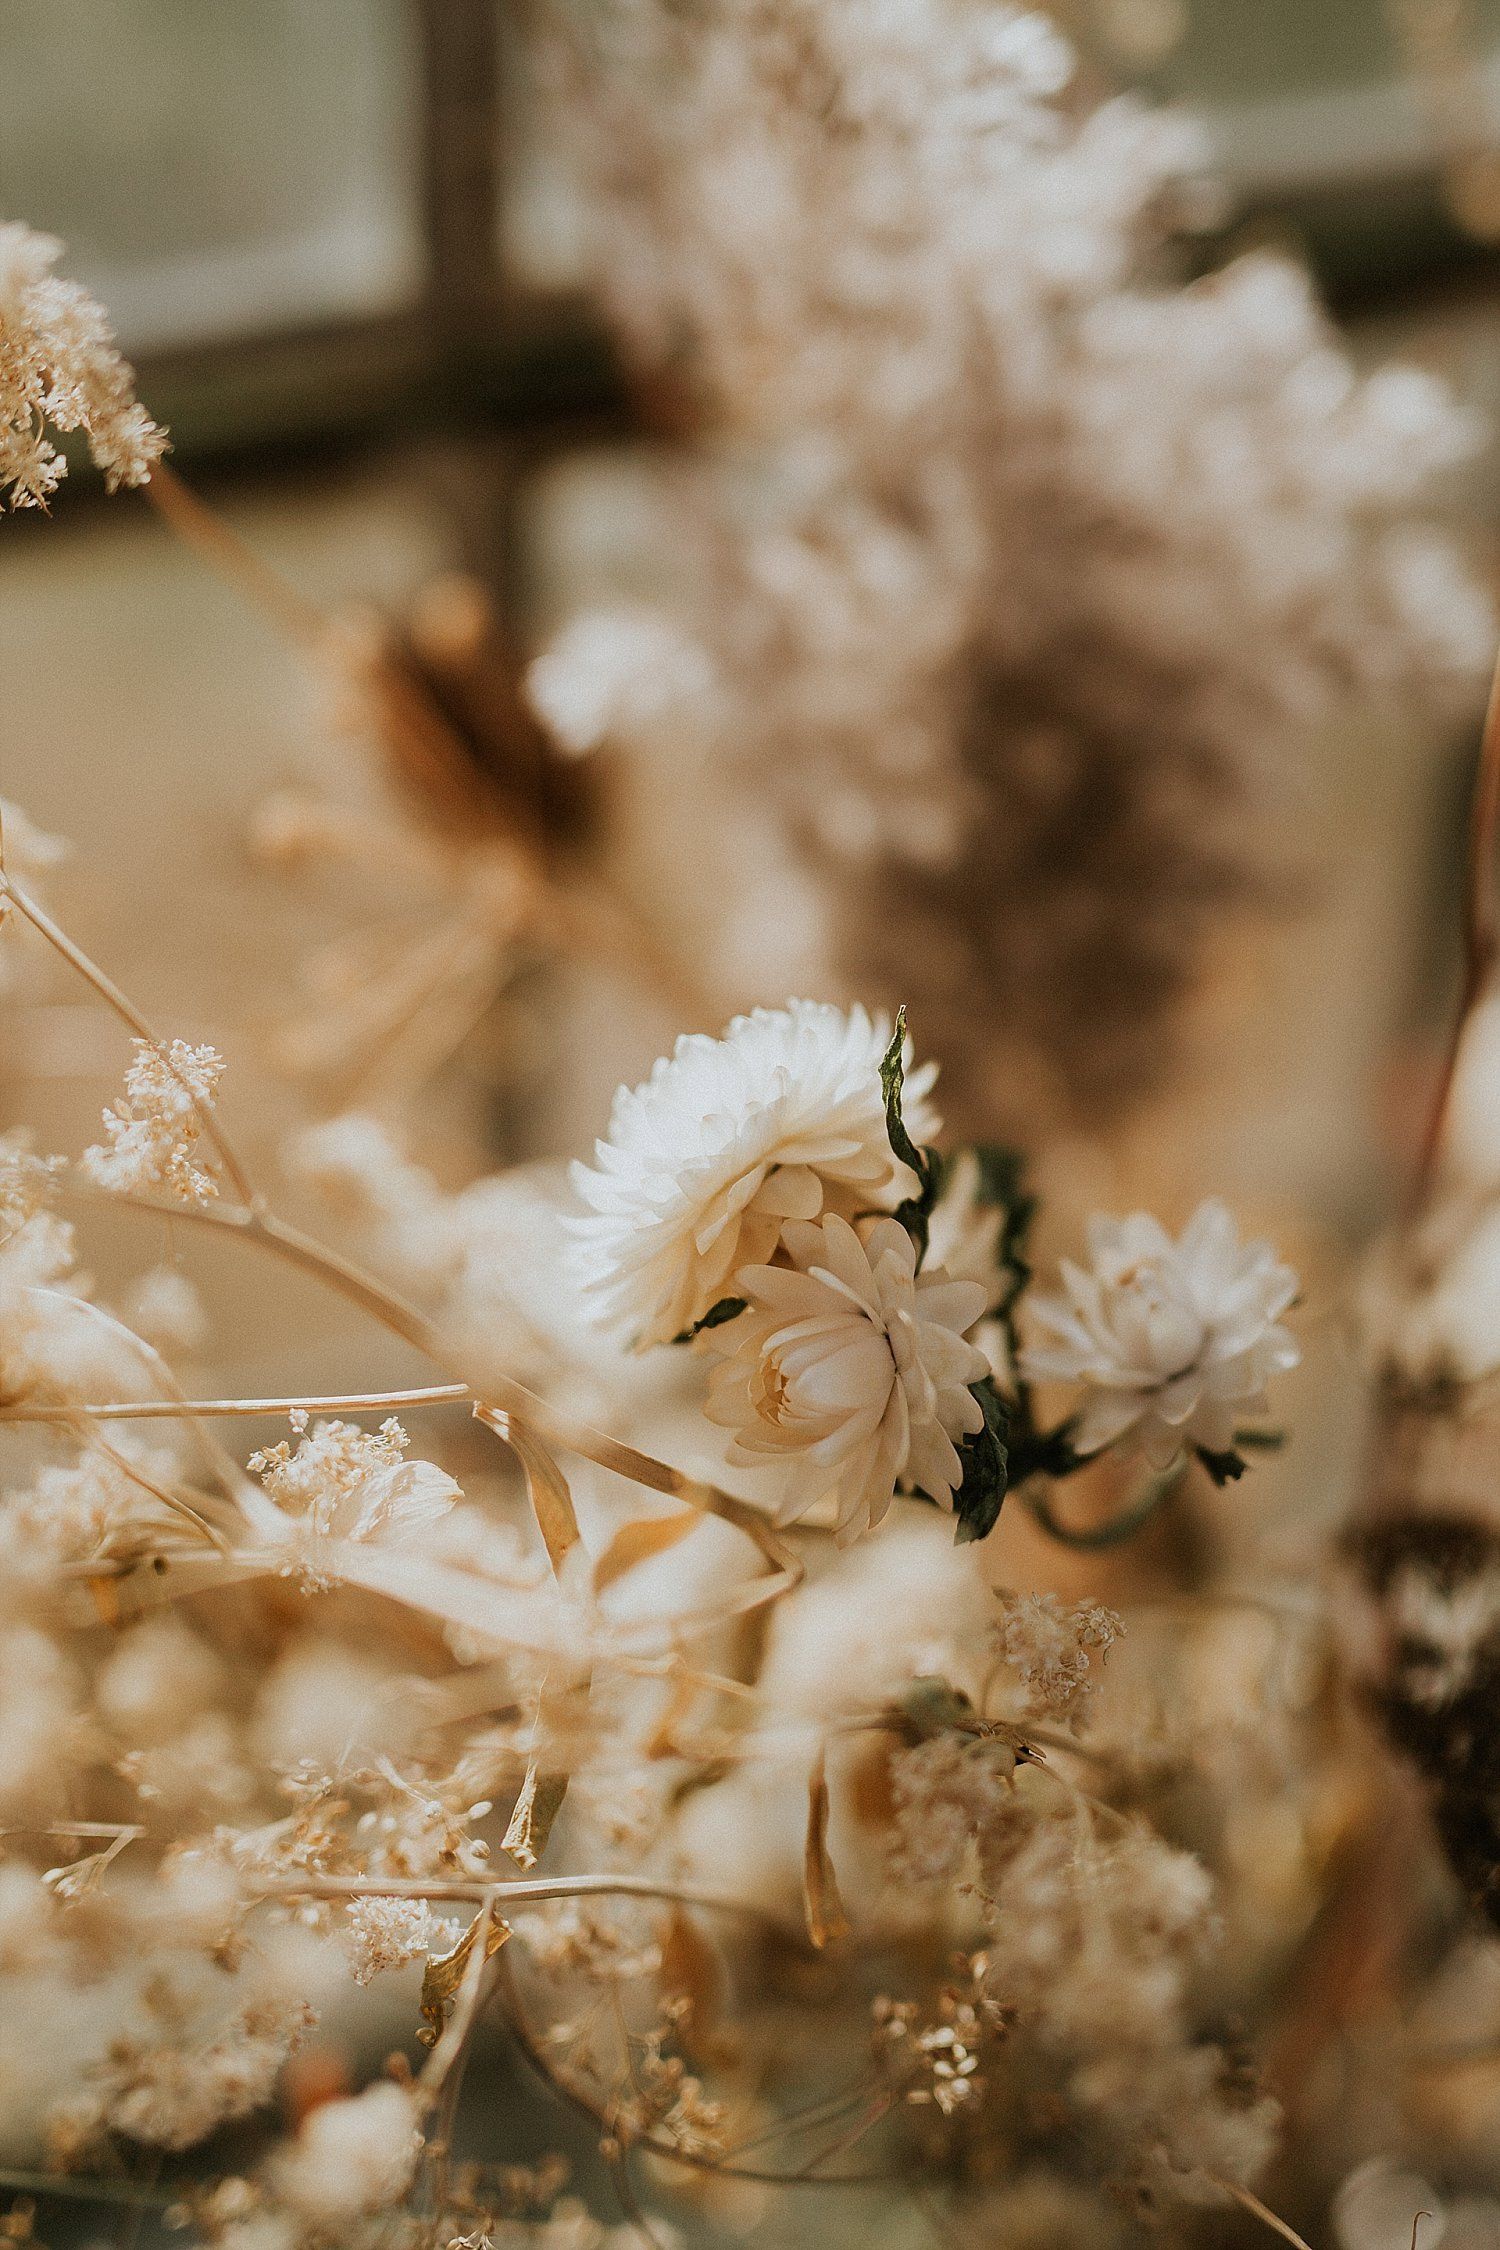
x=775 y=1391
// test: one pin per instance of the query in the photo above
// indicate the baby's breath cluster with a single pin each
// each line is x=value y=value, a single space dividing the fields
x=60 y=371
x=152 y=1143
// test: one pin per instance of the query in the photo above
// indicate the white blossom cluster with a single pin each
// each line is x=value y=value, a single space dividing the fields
x=1014 y=564
x=152 y=1137
x=59 y=367
x=343 y=1481
x=845 y=1354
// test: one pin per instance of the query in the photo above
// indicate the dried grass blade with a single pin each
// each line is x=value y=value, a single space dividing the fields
x=536 y=1808
x=546 y=1486
x=827 y=1922
x=639 y=1542
x=1259 y=2210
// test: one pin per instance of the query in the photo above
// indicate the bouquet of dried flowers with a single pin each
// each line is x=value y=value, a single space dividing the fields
x=646 y=1808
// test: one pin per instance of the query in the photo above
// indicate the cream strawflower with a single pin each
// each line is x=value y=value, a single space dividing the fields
x=963 y=1231
x=853 y=1367
x=1173 y=1340
x=727 y=1142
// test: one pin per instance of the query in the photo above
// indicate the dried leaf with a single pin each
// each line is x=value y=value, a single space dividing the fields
x=445 y=1973
x=496 y=1615
x=641 y=1541
x=826 y=1919
x=691 y=1969
x=536 y=1808
x=546 y=1486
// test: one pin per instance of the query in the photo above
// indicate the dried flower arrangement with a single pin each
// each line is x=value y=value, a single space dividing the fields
x=761 y=1203
x=799 y=1864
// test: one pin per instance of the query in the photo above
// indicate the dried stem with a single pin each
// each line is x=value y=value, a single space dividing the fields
x=1259 y=2210
x=169 y=1499
x=232 y=558
x=584 y=914
x=1481 y=941
x=503 y=1397
x=110 y=993
x=175 y=1405
x=524 y=1891
x=566 y=2090
x=138 y=2194
x=182 y=1408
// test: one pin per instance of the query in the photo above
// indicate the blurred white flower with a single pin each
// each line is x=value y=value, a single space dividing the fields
x=27 y=1181
x=29 y=851
x=611 y=670
x=1173 y=1340
x=352 y=2156
x=165 y=1308
x=726 y=1142
x=29 y=855
x=853 y=1367
x=1016 y=562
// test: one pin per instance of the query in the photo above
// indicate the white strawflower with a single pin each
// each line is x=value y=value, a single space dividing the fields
x=1173 y=1340
x=727 y=1142
x=852 y=1366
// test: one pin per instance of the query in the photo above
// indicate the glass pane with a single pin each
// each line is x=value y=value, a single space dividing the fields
x=542 y=220
x=1307 y=95
x=214 y=167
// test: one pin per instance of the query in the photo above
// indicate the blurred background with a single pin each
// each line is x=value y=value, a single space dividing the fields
x=344 y=258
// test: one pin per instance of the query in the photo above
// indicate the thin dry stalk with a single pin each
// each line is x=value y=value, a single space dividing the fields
x=1481 y=942
x=110 y=993
x=1261 y=2211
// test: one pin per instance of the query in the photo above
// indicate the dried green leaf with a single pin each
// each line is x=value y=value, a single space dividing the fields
x=986 y=1466
x=727 y=1308
x=1225 y=1467
x=915 y=1213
